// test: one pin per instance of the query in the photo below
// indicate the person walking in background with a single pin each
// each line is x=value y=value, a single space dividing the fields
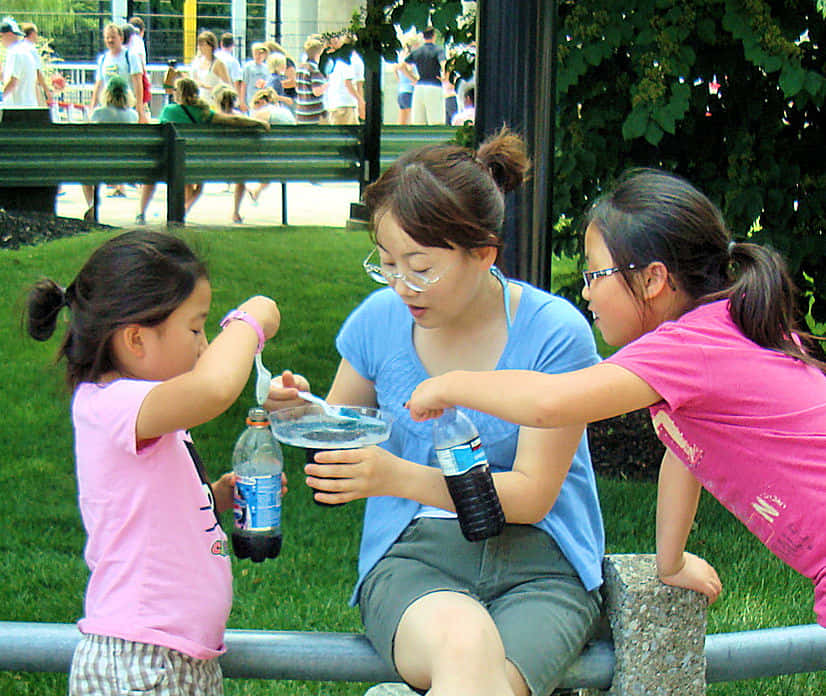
x=136 y=46
x=30 y=35
x=190 y=108
x=310 y=85
x=254 y=75
x=453 y=616
x=428 y=96
x=19 y=68
x=117 y=61
x=409 y=42
x=288 y=74
x=207 y=69
x=341 y=100
x=142 y=373
x=468 y=113
x=712 y=348
x=227 y=56
x=118 y=101
x=277 y=65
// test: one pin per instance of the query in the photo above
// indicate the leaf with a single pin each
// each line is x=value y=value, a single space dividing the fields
x=636 y=123
x=665 y=118
x=792 y=79
x=653 y=133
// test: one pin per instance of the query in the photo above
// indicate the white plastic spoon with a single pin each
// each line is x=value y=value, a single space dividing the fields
x=329 y=410
x=263 y=380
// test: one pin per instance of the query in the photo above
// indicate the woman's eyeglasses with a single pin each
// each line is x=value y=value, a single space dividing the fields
x=588 y=276
x=415 y=280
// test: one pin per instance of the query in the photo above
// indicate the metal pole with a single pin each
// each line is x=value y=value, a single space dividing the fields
x=305 y=655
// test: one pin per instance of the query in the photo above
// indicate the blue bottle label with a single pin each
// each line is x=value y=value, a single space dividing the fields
x=459 y=459
x=256 y=505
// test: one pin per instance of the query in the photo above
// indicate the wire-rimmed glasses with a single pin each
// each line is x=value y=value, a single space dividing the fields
x=415 y=280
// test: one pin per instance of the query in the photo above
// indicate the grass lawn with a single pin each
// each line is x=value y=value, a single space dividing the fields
x=315 y=275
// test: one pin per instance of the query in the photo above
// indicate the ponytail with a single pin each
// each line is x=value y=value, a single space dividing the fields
x=46 y=299
x=762 y=303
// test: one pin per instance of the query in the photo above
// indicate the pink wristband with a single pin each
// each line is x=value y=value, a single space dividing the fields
x=234 y=314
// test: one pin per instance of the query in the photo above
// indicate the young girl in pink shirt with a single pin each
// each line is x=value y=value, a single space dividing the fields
x=142 y=373
x=711 y=346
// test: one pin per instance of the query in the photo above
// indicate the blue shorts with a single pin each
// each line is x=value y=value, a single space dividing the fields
x=405 y=100
x=544 y=614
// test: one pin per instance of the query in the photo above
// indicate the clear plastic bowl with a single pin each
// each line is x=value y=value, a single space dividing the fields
x=346 y=427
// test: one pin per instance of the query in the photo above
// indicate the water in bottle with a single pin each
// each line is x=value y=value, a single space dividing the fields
x=257 y=462
x=467 y=474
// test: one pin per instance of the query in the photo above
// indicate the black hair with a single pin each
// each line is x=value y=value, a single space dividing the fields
x=138 y=277
x=451 y=196
x=655 y=216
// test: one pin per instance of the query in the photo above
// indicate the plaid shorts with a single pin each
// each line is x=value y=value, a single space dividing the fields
x=107 y=666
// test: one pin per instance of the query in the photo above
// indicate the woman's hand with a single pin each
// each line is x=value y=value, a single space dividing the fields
x=346 y=475
x=284 y=391
x=426 y=401
x=696 y=574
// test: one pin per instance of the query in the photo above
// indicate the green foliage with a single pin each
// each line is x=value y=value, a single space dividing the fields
x=634 y=91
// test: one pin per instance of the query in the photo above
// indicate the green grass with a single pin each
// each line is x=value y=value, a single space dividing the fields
x=314 y=274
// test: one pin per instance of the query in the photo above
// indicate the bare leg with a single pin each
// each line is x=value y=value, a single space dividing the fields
x=404 y=117
x=147 y=191
x=447 y=642
x=192 y=192
x=237 y=197
x=89 y=196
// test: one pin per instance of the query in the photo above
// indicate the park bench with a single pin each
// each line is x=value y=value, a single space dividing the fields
x=36 y=154
x=654 y=643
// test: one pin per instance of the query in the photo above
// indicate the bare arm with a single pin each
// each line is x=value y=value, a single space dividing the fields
x=678 y=494
x=220 y=70
x=10 y=85
x=214 y=383
x=543 y=458
x=238 y=121
x=95 y=92
x=536 y=399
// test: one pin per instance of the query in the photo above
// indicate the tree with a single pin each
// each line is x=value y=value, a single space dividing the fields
x=728 y=93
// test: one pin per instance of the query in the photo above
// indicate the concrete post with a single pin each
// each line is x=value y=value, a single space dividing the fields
x=658 y=630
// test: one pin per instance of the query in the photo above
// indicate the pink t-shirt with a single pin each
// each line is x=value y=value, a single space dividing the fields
x=160 y=571
x=749 y=423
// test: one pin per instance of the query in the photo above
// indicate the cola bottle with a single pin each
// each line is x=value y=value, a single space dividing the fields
x=257 y=462
x=465 y=467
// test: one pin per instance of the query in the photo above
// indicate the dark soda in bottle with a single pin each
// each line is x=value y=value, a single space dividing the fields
x=466 y=470
x=257 y=462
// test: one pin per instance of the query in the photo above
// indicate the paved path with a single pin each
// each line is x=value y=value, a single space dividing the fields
x=325 y=204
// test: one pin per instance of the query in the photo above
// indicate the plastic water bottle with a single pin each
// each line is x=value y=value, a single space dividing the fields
x=257 y=462
x=465 y=467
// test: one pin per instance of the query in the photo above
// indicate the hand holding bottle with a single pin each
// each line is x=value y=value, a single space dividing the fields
x=341 y=476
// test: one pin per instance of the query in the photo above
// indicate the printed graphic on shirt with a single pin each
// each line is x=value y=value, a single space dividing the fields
x=199 y=467
x=673 y=438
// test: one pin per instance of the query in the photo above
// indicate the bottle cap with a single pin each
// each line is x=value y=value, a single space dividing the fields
x=258 y=416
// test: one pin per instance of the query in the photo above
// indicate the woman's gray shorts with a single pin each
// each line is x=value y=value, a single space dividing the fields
x=535 y=597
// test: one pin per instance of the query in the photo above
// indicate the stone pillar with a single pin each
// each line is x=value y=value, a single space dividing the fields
x=658 y=630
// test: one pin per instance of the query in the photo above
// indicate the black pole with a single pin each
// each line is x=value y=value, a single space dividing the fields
x=514 y=71
x=278 y=21
x=373 y=116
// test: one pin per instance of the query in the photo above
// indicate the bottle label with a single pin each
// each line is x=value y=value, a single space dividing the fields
x=459 y=459
x=256 y=505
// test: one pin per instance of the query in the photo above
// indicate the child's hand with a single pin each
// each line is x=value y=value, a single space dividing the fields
x=223 y=490
x=265 y=312
x=698 y=575
x=426 y=401
x=284 y=391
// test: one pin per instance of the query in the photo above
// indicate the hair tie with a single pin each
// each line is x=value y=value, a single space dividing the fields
x=731 y=246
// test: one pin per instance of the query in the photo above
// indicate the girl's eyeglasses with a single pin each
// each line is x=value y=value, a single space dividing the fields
x=588 y=276
x=415 y=280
